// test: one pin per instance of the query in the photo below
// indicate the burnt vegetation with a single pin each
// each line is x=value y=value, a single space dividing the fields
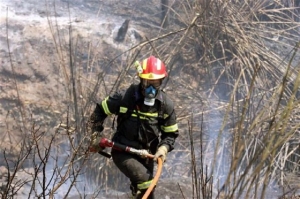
x=233 y=74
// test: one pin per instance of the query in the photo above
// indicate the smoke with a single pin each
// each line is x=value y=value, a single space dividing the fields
x=217 y=154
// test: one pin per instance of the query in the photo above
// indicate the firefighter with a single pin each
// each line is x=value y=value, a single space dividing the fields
x=145 y=120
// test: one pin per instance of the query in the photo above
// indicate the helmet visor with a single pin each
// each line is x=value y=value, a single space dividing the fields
x=155 y=83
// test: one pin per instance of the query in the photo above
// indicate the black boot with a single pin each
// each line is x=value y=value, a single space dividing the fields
x=134 y=190
x=141 y=193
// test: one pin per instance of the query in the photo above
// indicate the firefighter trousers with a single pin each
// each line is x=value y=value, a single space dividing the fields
x=138 y=170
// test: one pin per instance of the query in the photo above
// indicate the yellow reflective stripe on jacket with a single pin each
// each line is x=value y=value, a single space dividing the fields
x=144 y=115
x=144 y=185
x=123 y=109
x=170 y=129
x=105 y=107
x=148 y=114
x=141 y=117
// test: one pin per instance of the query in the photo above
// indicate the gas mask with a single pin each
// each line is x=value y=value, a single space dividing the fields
x=150 y=93
x=150 y=89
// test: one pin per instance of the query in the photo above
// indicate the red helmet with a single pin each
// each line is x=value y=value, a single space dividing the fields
x=152 y=68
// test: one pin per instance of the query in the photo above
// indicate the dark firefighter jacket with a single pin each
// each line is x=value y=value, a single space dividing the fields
x=138 y=125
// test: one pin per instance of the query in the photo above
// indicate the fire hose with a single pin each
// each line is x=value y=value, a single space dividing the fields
x=141 y=152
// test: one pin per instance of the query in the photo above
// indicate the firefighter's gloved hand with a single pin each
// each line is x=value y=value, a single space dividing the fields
x=161 y=152
x=95 y=143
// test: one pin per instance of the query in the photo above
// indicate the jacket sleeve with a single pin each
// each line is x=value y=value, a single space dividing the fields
x=110 y=105
x=169 y=127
